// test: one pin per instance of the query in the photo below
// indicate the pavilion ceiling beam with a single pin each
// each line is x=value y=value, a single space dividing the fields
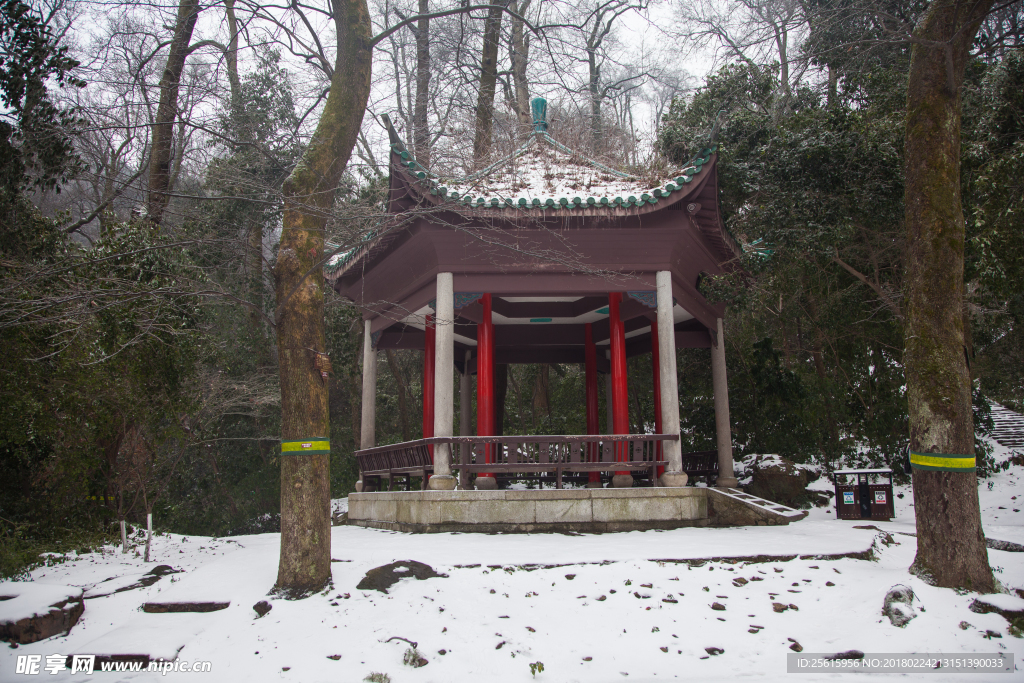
x=696 y=305
x=388 y=313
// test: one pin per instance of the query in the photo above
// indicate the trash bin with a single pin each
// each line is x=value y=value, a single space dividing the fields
x=857 y=497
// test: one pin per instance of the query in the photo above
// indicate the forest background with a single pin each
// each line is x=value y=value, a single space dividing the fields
x=143 y=149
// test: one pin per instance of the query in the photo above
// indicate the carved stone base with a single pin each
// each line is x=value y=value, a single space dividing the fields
x=486 y=483
x=622 y=481
x=674 y=479
x=727 y=482
x=441 y=482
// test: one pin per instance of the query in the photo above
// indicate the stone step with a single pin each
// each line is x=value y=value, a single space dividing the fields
x=733 y=507
x=1008 y=429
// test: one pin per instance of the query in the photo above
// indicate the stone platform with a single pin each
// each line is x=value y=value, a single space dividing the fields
x=563 y=510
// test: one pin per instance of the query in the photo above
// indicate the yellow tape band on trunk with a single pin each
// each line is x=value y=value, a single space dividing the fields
x=943 y=462
x=316 y=445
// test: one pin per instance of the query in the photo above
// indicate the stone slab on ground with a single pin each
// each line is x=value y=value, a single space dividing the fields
x=148 y=636
x=120 y=584
x=31 y=611
x=179 y=607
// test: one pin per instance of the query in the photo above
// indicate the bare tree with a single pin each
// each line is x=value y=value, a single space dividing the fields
x=752 y=31
x=488 y=82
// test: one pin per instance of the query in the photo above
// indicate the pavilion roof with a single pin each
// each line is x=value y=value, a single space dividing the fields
x=546 y=179
x=544 y=174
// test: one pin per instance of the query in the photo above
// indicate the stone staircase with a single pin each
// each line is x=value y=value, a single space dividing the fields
x=733 y=507
x=1009 y=426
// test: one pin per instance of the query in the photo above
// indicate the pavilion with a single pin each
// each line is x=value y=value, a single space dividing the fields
x=545 y=256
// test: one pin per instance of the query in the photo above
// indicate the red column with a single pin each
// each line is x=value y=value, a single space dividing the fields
x=620 y=393
x=485 y=378
x=428 y=381
x=656 y=366
x=593 y=420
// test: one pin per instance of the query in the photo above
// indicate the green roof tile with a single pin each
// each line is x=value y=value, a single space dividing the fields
x=422 y=174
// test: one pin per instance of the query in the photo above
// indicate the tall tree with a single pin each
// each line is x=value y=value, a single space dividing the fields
x=309 y=193
x=420 y=129
x=519 y=56
x=950 y=542
x=167 y=110
x=488 y=81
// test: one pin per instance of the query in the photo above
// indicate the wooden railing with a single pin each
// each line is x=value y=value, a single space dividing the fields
x=521 y=457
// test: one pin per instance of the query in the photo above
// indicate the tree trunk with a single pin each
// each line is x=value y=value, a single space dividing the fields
x=781 y=43
x=950 y=543
x=488 y=82
x=500 y=392
x=254 y=256
x=519 y=55
x=595 y=100
x=420 y=131
x=149 y=533
x=542 y=391
x=167 y=111
x=309 y=192
x=254 y=247
x=220 y=482
x=231 y=55
x=403 y=404
x=833 y=87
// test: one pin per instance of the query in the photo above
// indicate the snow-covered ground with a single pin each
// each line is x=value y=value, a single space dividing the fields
x=610 y=607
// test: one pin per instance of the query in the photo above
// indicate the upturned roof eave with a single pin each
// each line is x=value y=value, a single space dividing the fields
x=409 y=188
x=420 y=188
x=690 y=189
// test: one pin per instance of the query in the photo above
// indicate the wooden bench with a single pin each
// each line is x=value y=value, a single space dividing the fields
x=701 y=464
x=650 y=467
x=387 y=462
x=534 y=456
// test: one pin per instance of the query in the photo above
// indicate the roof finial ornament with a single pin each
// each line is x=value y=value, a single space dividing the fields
x=539 y=106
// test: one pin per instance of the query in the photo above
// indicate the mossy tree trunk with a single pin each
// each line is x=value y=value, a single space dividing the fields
x=309 y=193
x=950 y=544
x=488 y=82
x=167 y=111
x=519 y=54
x=420 y=127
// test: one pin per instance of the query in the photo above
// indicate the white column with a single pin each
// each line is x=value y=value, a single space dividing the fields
x=465 y=413
x=444 y=395
x=726 y=478
x=674 y=474
x=367 y=427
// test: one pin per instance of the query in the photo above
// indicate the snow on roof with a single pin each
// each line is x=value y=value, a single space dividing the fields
x=542 y=174
x=545 y=174
x=544 y=170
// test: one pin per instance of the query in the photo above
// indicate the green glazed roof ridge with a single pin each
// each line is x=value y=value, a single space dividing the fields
x=672 y=185
x=559 y=146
